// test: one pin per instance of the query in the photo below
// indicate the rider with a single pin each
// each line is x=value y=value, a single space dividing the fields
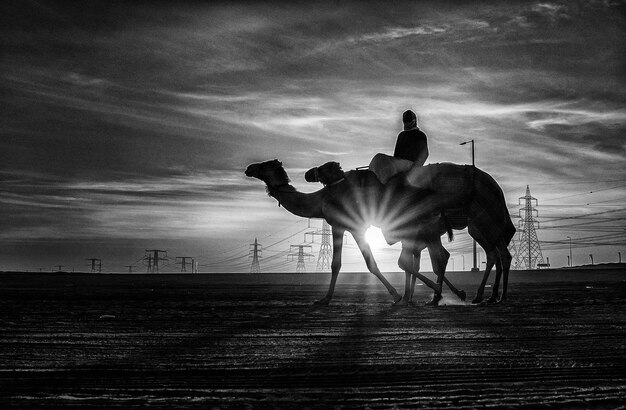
x=411 y=143
x=411 y=150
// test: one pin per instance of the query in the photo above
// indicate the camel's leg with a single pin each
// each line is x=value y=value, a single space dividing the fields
x=406 y=264
x=407 y=287
x=505 y=260
x=439 y=257
x=335 y=265
x=373 y=267
x=491 y=260
x=459 y=293
x=416 y=267
x=406 y=258
x=495 y=290
x=417 y=258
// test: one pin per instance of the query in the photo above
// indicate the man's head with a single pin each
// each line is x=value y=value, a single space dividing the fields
x=409 y=119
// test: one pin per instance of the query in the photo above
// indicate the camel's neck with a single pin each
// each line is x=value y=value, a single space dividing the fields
x=298 y=203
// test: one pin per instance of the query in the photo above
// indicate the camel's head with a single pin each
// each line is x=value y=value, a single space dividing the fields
x=270 y=172
x=326 y=174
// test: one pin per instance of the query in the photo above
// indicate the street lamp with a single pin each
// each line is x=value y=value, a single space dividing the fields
x=570 y=260
x=475 y=268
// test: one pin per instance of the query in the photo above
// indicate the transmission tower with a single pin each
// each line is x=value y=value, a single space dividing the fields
x=529 y=252
x=255 y=254
x=301 y=254
x=183 y=263
x=514 y=255
x=326 y=249
x=96 y=265
x=130 y=268
x=153 y=259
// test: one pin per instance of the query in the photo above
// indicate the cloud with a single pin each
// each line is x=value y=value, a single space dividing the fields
x=131 y=120
x=395 y=33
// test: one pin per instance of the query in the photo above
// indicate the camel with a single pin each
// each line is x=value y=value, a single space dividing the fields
x=354 y=212
x=340 y=216
x=429 y=201
x=359 y=209
x=320 y=204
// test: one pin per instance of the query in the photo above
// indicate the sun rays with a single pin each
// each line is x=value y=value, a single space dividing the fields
x=375 y=239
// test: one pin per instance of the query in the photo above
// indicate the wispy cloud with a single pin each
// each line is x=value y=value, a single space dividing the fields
x=131 y=124
x=395 y=33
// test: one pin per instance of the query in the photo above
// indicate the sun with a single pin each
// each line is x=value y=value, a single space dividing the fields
x=375 y=238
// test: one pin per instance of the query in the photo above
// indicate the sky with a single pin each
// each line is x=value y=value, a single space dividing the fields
x=127 y=127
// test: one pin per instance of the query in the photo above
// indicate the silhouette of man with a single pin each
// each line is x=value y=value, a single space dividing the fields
x=411 y=150
x=411 y=143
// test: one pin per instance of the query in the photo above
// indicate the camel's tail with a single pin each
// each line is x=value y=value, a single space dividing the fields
x=448 y=226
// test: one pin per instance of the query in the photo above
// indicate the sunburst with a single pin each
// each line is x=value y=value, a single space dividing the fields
x=375 y=238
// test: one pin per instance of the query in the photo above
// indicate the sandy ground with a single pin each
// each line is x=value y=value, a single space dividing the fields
x=223 y=341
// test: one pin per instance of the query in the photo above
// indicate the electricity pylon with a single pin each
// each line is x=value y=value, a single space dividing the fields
x=153 y=259
x=183 y=263
x=255 y=254
x=130 y=268
x=95 y=264
x=514 y=255
x=529 y=252
x=301 y=254
x=326 y=249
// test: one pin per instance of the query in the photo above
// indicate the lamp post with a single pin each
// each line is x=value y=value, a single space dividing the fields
x=475 y=267
x=570 y=260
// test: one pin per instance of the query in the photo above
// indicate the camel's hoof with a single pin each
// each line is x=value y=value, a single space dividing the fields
x=435 y=301
x=397 y=300
x=477 y=300
x=462 y=295
x=403 y=302
x=321 y=302
x=492 y=301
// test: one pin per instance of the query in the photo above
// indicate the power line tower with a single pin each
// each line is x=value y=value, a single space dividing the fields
x=514 y=255
x=96 y=265
x=153 y=259
x=301 y=254
x=326 y=249
x=183 y=263
x=130 y=268
x=529 y=252
x=255 y=254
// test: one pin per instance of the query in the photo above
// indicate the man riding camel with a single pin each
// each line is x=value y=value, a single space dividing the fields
x=411 y=143
x=411 y=151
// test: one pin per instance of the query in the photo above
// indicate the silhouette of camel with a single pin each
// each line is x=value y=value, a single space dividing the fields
x=419 y=206
x=319 y=204
x=345 y=215
x=348 y=208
